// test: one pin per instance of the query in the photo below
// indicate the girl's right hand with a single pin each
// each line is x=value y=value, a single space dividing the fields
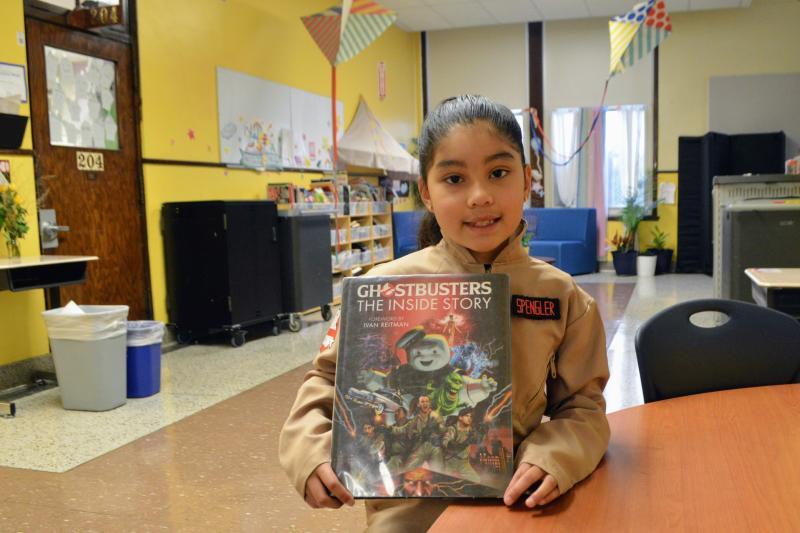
x=323 y=489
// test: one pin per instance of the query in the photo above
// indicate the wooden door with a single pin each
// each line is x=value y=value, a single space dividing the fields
x=82 y=103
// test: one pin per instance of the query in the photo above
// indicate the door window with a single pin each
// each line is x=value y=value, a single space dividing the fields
x=81 y=98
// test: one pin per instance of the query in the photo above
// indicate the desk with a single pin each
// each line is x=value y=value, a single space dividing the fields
x=778 y=288
x=43 y=272
x=721 y=461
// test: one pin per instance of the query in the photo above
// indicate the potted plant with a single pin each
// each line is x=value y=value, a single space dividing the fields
x=664 y=255
x=13 y=225
x=624 y=253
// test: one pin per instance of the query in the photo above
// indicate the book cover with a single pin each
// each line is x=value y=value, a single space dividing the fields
x=423 y=387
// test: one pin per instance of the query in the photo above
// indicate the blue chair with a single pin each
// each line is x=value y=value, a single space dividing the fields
x=756 y=346
x=405 y=225
x=569 y=235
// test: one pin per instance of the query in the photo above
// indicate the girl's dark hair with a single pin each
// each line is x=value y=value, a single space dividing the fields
x=459 y=110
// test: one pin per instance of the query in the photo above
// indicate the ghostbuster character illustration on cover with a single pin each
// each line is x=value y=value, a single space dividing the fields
x=428 y=371
x=456 y=443
x=369 y=453
x=424 y=431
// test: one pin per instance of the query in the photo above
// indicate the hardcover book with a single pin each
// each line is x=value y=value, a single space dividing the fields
x=423 y=387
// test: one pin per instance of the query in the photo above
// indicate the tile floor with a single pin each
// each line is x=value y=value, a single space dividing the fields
x=200 y=455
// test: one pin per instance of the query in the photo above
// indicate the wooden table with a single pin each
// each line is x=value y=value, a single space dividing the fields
x=778 y=288
x=722 y=461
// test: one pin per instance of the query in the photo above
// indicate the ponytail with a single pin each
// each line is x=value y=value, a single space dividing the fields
x=429 y=232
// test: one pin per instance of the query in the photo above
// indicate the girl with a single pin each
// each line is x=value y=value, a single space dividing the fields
x=474 y=183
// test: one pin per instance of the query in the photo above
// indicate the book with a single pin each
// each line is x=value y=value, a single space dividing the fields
x=422 y=407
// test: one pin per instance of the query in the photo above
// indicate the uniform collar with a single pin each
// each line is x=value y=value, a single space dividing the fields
x=512 y=251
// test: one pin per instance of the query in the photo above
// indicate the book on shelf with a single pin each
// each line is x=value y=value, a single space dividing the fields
x=423 y=387
x=282 y=193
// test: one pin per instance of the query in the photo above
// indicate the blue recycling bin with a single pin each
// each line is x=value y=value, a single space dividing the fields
x=144 y=357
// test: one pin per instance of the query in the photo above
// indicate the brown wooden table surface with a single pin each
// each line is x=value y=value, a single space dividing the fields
x=722 y=461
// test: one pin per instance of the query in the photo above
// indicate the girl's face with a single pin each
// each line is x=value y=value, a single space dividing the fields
x=476 y=188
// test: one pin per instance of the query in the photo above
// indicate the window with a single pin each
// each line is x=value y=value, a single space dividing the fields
x=624 y=162
x=614 y=158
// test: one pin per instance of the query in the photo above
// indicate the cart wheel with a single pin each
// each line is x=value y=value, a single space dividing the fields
x=276 y=330
x=182 y=337
x=295 y=323
x=237 y=339
x=326 y=312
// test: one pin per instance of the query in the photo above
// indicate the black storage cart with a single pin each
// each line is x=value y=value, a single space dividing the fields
x=222 y=267
x=305 y=242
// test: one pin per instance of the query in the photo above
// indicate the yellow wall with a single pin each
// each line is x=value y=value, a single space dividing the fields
x=761 y=39
x=22 y=333
x=265 y=39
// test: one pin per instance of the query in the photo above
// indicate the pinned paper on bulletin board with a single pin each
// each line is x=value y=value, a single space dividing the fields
x=666 y=193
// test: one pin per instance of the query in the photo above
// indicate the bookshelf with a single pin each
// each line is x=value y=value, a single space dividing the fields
x=360 y=222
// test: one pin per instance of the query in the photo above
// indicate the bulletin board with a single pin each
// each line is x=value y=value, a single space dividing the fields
x=264 y=124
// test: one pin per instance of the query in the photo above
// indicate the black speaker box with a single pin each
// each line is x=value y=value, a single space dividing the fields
x=222 y=264
x=305 y=261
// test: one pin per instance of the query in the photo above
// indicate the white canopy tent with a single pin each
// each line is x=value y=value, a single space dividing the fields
x=367 y=144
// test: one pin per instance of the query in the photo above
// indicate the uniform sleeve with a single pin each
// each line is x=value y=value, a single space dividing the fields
x=305 y=440
x=570 y=445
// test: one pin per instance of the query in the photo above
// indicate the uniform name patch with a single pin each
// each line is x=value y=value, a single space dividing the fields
x=535 y=308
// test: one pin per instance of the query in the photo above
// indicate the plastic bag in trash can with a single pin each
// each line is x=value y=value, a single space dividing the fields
x=88 y=323
x=145 y=332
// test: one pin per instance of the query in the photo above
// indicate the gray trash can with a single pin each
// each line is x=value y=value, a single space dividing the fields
x=88 y=345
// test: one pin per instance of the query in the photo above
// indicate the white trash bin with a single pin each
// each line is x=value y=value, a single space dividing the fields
x=89 y=352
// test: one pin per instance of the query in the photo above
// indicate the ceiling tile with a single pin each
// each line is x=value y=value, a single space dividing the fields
x=609 y=8
x=421 y=19
x=507 y=11
x=697 y=5
x=397 y=4
x=562 y=9
x=463 y=14
x=422 y=15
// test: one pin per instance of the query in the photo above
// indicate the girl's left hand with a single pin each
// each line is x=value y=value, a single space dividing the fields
x=525 y=476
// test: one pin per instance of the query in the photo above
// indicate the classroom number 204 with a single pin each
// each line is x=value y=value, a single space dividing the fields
x=90 y=161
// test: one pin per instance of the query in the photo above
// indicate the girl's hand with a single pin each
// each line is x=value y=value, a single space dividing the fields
x=525 y=476
x=323 y=489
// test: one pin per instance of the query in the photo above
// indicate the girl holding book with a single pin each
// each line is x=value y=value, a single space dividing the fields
x=474 y=184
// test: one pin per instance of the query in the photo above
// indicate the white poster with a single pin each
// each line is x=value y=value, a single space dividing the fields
x=252 y=112
x=312 y=130
x=263 y=124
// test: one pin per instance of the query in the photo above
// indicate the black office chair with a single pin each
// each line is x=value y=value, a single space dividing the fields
x=756 y=346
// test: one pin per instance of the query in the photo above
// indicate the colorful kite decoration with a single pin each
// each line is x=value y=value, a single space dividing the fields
x=637 y=33
x=633 y=36
x=342 y=33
